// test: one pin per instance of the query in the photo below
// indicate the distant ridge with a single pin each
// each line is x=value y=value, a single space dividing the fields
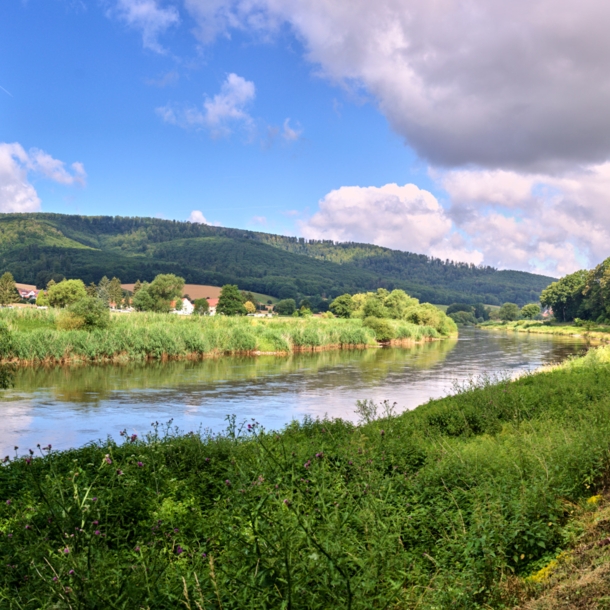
x=36 y=246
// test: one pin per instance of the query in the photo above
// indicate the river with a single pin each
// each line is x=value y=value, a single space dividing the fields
x=70 y=406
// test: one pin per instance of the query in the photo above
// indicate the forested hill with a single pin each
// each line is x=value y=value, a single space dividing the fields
x=36 y=246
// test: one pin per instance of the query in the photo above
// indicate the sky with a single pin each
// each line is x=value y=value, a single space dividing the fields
x=472 y=130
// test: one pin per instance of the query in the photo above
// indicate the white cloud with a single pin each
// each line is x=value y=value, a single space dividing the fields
x=198 y=217
x=521 y=84
x=149 y=18
x=399 y=217
x=289 y=134
x=219 y=113
x=16 y=192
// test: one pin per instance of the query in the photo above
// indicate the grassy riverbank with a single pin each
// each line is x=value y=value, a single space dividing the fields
x=593 y=332
x=451 y=505
x=33 y=337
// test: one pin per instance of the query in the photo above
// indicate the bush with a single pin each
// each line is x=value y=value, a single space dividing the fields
x=286 y=307
x=463 y=317
x=68 y=320
x=6 y=339
x=92 y=311
x=384 y=331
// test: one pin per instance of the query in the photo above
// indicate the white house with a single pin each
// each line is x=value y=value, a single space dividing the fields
x=187 y=308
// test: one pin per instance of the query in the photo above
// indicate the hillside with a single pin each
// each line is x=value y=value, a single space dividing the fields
x=34 y=246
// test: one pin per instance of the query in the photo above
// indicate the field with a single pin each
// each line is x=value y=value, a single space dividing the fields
x=31 y=336
x=201 y=291
x=467 y=502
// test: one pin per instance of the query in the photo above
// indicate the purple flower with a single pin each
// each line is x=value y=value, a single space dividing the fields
x=119 y=472
x=8 y=502
x=97 y=532
x=382 y=432
x=71 y=572
x=350 y=462
x=179 y=550
x=140 y=465
x=66 y=551
x=107 y=458
x=176 y=530
x=228 y=483
x=28 y=527
x=207 y=459
x=93 y=499
x=10 y=535
x=203 y=555
x=307 y=464
x=287 y=502
x=95 y=522
x=54 y=578
x=133 y=438
x=320 y=455
x=137 y=549
x=31 y=452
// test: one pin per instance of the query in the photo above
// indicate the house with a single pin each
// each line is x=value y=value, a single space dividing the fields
x=213 y=304
x=27 y=291
x=187 y=308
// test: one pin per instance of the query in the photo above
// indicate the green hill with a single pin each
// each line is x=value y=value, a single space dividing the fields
x=34 y=246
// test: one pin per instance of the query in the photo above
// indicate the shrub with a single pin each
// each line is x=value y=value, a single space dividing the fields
x=383 y=329
x=92 y=311
x=68 y=320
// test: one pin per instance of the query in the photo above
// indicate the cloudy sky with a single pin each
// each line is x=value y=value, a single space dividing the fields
x=476 y=130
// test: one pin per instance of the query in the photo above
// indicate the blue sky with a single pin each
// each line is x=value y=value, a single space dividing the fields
x=345 y=121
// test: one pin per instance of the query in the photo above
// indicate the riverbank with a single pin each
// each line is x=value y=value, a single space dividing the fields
x=593 y=333
x=31 y=337
x=448 y=505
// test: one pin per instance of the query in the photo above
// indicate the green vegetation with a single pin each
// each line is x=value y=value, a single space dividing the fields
x=159 y=295
x=8 y=290
x=65 y=293
x=41 y=247
x=395 y=305
x=509 y=312
x=69 y=335
x=231 y=301
x=447 y=506
x=589 y=330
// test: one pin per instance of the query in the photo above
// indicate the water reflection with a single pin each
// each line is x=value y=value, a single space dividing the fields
x=69 y=406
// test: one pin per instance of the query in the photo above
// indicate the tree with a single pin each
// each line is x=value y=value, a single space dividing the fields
x=343 y=306
x=42 y=299
x=8 y=290
x=164 y=289
x=201 y=306
x=103 y=290
x=509 y=312
x=565 y=296
x=481 y=312
x=91 y=290
x=230 y=302
x=65 y=293
x=455 y=307
x=137 y=286
x=92 y=311
x=142 y=300
x=285 y=307
x=115 y=291
x=250 y=307
x=529 y=312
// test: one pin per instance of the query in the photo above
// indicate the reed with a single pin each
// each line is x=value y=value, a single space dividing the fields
x=34 y=336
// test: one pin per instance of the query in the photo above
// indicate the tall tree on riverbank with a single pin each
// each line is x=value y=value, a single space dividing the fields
x=8 y=290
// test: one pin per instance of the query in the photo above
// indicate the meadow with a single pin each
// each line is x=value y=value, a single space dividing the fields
x=455 y=504
x=588 y=330
x=31 y=336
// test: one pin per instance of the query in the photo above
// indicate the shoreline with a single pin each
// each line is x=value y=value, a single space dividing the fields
x=123 y=358
x=571 y=331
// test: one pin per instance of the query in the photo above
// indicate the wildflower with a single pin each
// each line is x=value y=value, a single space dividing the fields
x=287 y=502
x=97 y=532
x=179 y=550
x=28 y=461
x=54 y=578
x=140 y=465
x=207 y=459
x=133 y=438
x=228 y=483
x=6 y=459
x=8 y=502
x=382 y=432
x=203 y=555
x=93 y=499
x=307 y=464
x=137 y=549
x=320 y=455
x=31 y=452
x=119 y=472
x=28 y=527
x=71 y=572
x=350 y=462
x=66 y=551
x=95 y=522
x=107 y=458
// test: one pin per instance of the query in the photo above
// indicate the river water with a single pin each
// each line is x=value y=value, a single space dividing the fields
x=70 y=406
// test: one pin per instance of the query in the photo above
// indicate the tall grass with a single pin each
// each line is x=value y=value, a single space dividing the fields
x=433 y=509
x=34 y=338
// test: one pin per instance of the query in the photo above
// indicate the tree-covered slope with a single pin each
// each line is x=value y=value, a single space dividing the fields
x=88 y=247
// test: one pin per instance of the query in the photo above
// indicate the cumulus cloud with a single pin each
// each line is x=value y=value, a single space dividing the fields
x=149 y=18
x=520 y=84
x=16 y=192
x=197 y=217
x=400 y=217
x=220 y=113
